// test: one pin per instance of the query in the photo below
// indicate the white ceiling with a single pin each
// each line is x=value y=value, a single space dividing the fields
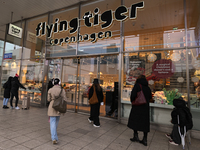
x=29 y=8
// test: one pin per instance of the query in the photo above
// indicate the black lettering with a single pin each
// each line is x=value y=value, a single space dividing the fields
x=87 y=17
x=73 y=24
x=56 y=41
x=61 y=41
x=49 y=30
x=86 y=37
x=80 y=37
x=63 y=26
x=93 y=37
x=56 y=25
x=119 y=13
x=38 y=29
x=73 y=39
x=106 y=17
x=133 y=12
x=100 y=35
x=109 y=33
x=96 y=17
x=43 y=28
x=66 y=40
x=51 y=41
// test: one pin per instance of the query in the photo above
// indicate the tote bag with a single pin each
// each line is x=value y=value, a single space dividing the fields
x=93 y=99
x=140 y=99
x=59 y=104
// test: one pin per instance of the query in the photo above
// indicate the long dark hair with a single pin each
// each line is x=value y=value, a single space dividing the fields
x=97 y=86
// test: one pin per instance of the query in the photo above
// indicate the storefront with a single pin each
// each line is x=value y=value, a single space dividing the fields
x=115 y=41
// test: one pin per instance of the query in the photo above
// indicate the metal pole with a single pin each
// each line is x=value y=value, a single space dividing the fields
x=120 y=67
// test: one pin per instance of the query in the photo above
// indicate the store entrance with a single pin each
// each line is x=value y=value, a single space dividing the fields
x=77 y=76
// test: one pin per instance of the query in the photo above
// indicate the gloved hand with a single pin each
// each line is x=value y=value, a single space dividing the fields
x=102 y=103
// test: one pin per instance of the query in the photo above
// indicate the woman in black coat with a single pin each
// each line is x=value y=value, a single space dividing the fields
x=7 y=87
x=139 y=115
x=95 y=108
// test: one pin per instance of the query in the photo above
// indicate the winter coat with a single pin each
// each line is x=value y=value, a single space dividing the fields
x=15 y=85
x=139 y=115
x=99 y=93
x=7 y=88
x=52 y=93
x=185 y=117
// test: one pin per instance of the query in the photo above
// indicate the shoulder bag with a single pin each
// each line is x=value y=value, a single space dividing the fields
x=140 y=99
x=93 y=99
x=59 y=104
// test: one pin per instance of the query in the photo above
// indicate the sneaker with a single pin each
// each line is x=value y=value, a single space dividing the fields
x=6 y=107
x=97 y=126
x=90 y=121
x=168 y=136
x=55 y=142
x=17 y=108
x=11 y=107
x=172 y=142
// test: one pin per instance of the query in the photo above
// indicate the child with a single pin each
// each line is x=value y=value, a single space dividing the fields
x=7 y=87
x=185 y=119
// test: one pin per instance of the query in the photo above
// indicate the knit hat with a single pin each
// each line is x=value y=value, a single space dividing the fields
x=16 y=75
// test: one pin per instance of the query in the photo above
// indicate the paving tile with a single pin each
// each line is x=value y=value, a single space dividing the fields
x=70 y=147
x=21 y=139
x=32 y=143
x=18 y=147
x=7 y=144
x=45 y=147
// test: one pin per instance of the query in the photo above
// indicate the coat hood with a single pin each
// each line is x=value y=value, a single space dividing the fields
x=142 y=81
x=15 y=79
x=179 y=103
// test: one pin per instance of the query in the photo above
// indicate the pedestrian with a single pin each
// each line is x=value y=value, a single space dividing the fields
x=139 y=115
x=95 y=108
x=181 y=116
x=52 y=113
x=7 y=88
x=15 y=85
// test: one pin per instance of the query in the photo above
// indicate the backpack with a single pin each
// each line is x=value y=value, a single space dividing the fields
x=59 y=104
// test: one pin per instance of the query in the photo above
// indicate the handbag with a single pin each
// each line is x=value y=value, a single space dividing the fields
x=140 y=99
x=93 y=99
x=59 y=104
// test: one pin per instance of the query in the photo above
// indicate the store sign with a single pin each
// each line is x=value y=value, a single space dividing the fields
x=31 y=37
x=104 y=20
x=163 y=68
x=8 y=56
x=15 y=31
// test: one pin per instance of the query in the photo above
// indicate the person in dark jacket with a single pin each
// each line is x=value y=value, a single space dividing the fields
x=95 y=108
x=15 y=84
x=139 y=115
x=7 y=87
x=50 y=85
x=182 y=113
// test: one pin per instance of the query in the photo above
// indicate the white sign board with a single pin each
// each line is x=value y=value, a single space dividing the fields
x=15 y=31
x=31 y=37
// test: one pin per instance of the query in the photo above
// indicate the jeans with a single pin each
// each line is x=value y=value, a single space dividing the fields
x=5 y=101
x=53 y=127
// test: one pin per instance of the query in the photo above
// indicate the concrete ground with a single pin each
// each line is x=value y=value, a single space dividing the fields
x=29 y=129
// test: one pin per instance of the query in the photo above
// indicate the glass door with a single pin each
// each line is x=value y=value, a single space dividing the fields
x=106 y=69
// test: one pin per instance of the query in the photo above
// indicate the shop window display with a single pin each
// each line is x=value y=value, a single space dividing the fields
x=31 y=77
x=165 y=72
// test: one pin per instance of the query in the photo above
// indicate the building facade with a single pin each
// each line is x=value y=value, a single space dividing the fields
x=114 y=41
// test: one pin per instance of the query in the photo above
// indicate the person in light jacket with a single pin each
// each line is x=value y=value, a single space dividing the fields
x=52 y=113
x=95 y=108
x=139 y=115
x=7 y=87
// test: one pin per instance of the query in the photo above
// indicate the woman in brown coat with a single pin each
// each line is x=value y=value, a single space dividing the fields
x=52 y=113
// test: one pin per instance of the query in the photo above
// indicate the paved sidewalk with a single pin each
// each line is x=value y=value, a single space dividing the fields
x=29 y=129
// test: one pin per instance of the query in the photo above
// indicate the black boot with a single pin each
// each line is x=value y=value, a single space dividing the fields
x=135 y=138
x=144 y=141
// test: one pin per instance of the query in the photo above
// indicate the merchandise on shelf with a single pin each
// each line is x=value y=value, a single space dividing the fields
x=159 y=97
x=171 y=95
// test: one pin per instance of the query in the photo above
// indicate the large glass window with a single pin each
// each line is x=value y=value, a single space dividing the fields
x=1 y=51
x=166 y=74
x=32 y=77
x=97 y=35
x=63 y=41
x=193 y=22
x=34 y=46
x=155 y=24
x=194 y=83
